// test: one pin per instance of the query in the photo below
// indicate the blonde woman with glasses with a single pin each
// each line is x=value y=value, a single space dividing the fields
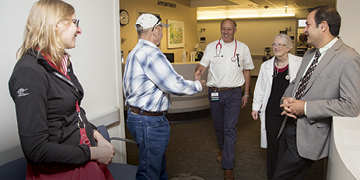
x=57 y=139
x=274 y=76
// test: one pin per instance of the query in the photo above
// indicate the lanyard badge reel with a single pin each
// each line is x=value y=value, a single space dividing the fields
x=81 y=125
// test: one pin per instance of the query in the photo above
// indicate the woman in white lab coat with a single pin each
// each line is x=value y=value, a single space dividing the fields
x=274 y=76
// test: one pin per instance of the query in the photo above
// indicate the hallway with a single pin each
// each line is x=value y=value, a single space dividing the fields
x=193 y=149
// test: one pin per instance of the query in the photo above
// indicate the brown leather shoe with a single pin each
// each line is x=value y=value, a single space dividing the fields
x=219 y=157
x=229 y=174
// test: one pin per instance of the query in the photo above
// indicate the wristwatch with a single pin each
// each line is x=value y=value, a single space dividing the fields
x=246 y=95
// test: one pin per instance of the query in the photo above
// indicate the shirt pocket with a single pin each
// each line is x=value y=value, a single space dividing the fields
x=240 y=62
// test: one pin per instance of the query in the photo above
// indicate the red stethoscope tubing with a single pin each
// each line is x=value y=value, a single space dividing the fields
x=219 y=44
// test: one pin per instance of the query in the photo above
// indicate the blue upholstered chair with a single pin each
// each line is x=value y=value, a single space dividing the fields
x=16 y=169
x=119 y=170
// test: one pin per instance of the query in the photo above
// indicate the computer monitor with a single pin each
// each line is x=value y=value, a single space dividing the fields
x=170 y=57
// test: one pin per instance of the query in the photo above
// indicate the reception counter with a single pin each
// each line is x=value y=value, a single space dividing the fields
x=188 y=103
x=344 y=152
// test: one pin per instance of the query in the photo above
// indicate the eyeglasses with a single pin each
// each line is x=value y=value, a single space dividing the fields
x=159 y=19
x=76 y=21
x=278 y=45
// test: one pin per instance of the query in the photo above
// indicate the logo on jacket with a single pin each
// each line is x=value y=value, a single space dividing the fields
x=21 y=92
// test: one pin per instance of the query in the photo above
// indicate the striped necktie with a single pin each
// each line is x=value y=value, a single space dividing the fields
x=304 y=81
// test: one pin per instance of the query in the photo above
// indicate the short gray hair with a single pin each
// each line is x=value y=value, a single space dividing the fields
x=286 y=39
x=141 y=30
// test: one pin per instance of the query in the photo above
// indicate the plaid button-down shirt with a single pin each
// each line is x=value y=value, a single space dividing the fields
x=149 y=78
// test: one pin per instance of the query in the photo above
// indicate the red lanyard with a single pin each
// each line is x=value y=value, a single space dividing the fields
x=83 y=137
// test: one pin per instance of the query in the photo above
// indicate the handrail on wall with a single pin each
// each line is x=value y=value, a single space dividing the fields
x=107 y=118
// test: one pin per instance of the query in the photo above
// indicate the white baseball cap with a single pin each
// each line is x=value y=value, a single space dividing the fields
x=147 y=21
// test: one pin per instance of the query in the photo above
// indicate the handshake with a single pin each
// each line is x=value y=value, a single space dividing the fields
x=199 y=70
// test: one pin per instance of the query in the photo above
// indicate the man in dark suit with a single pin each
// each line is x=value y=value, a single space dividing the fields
x=326 y=85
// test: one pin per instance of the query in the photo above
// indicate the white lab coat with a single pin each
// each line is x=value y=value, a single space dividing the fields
x=263 y=89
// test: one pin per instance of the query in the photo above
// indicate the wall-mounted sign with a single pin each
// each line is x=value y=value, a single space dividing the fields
x=167 y=4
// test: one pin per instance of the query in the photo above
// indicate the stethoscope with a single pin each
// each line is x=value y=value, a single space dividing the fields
x=276 y=71
x=216 y=48
x=218 y=52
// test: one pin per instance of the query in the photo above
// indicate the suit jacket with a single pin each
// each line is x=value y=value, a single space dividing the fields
x=263 y=89
x=333 y=90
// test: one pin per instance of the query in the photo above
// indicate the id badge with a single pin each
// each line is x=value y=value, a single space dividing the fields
x=214 y=96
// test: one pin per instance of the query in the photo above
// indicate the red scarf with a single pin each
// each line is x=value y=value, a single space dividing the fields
x=63 y=68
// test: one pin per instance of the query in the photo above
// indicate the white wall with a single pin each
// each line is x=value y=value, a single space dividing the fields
x=349 y=31
x=96 y=61
x=340 y=158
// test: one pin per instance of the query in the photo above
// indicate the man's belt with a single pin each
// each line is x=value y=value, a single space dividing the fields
x=146 y=113
x=223 y=89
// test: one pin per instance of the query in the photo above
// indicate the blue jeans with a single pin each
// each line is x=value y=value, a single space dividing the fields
x=151 y=134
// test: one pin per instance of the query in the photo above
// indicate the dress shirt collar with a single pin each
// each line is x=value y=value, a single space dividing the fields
x=328 y=46
x=230 y=43
x=144 y=41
